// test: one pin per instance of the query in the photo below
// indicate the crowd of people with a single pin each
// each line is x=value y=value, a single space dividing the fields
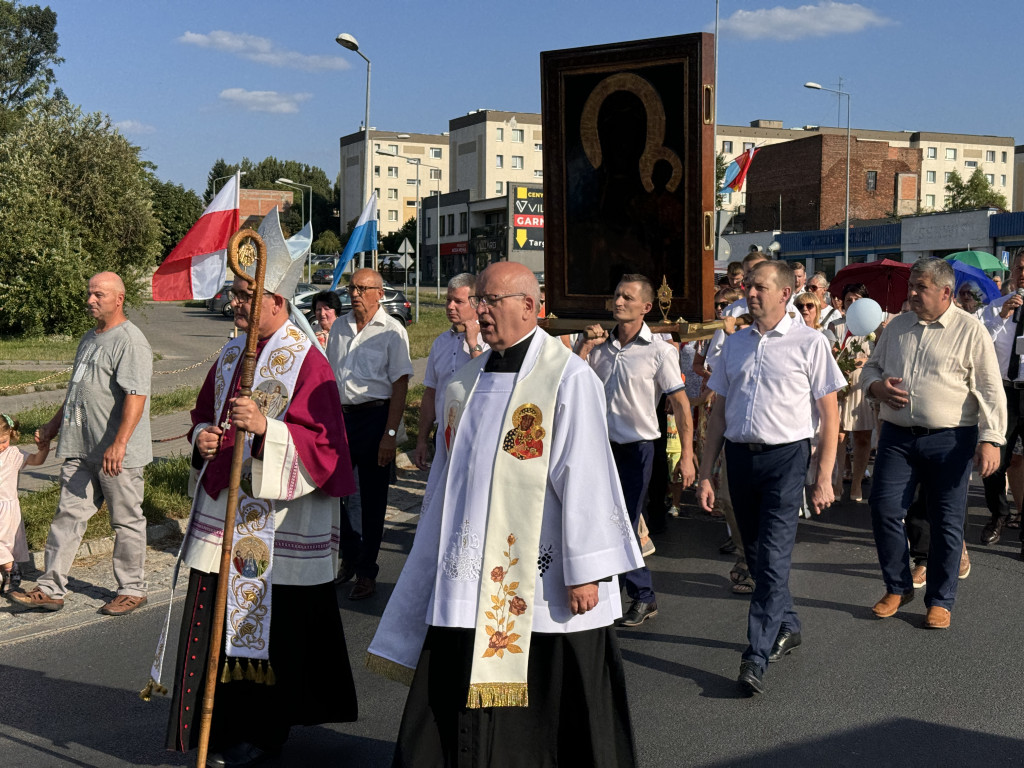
x=552 y=464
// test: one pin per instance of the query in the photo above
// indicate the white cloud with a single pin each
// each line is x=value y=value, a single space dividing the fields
x=262 y=50
x=134 y=127
x=265 y=101
x=824 y=19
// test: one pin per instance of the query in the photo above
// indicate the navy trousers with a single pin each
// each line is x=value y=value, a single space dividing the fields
x=364 y=429
x=767 y=490
x=633 y=462
x=941 y=462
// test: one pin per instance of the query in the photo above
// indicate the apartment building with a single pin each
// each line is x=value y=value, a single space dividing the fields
x=491 y=150
x=394 y=160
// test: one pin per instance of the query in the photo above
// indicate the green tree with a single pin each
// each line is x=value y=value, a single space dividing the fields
x=721 y=164
x=391 y=243
x=75 y=199
x=28 y=53
x=328 y=242
x=976 y=192
x=176 y=209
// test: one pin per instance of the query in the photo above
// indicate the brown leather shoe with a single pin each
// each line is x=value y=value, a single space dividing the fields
x=891 y=603
x=35 y=600
x=993 y=529
x=122 y=605
x=364 y=588
x=919 y=575
x=965 y=564
x=937 y=618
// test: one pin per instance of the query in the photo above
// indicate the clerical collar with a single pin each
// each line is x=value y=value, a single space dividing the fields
x=509 y=360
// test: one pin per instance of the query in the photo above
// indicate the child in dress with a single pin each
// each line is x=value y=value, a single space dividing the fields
x=13 y=548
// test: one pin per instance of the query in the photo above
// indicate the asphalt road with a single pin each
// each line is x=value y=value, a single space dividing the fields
x=859 y=692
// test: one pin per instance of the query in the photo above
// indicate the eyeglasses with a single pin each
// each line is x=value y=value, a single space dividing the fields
x=361 y=289
x=721 y=304
x=813 y=288
x=490 y=300
x=241 y=298
x=809 y=305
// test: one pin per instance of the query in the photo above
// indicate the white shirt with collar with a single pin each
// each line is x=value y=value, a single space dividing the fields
x=366 y=363
x=1003 y=334
x=737 y=308
x=771 y=382
x=634 y=377
x=449 y=352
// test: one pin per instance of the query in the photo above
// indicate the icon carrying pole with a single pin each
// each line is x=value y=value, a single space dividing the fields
x=245 y=248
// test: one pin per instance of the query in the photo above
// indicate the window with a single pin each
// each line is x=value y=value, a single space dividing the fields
x=517 y=135
x=392 y=171
x=499 y=188
x=990 y=156
x=726 y=198
x=392 y=194
x=538 y=174
x=427 y=234
x=499 y=161
x=500 y=135
x=1002 y=180
x=990 y=178
x=970 y=163
x=463 y=222
x=392 y=215
x=950 y=154
x=872 y=181
x=929 y=201
x=393 y=149
x=930 y=177
x=517 y=162
x=435 y=173
x=440 y=225
x=451 y=223
x=435 y=152
x=1002 y=157
x=933 y=152
x=538 y=147
x=410 y=182
x=946 y=175
x=726 y=147
x=748 y=145
x=376 y=146
x=410 y=203
x=376 y=191
x=376 y=170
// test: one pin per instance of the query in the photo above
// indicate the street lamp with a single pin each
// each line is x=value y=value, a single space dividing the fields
x=221 y=178
x=302 y=215
x=846 y=234
x=346 y=40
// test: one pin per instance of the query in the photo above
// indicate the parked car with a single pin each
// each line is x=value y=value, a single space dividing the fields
x=393 y=301
x=325 y=259
x=221 y=302
x=323 y=275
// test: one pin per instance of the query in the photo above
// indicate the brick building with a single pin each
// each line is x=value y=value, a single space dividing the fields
x=254 y=204
x=799 y=185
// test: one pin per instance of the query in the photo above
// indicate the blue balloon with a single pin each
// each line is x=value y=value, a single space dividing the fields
x=863 y=317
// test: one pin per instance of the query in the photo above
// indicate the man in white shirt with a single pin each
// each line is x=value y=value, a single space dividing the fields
x=636 y=368
x=449 y=352
x=776 y=383
x=369 y=352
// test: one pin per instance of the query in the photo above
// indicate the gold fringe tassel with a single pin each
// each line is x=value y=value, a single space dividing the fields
x=271 y=679
x=152 y=687
x=225 y=674
x=390 y=669
x=236 y=671
x=497 y=695
x=250 y=672
x=261 y=676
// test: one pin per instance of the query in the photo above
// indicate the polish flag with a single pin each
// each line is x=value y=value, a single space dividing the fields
x=195 y=268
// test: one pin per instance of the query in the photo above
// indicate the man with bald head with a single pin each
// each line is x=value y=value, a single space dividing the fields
x=369 y=352
x=105 y=445
x=501 y=619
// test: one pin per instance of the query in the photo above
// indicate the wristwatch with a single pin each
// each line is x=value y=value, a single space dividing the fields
x=479 y=347
x=392 y=433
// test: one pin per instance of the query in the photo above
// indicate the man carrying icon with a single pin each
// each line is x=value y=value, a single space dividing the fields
x=935 y=374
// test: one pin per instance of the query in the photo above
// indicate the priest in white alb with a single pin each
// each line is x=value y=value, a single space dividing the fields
x=502 y=618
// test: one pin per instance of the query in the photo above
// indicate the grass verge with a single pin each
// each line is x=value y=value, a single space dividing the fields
x=433 y=322
x=56 y=347
x=166 y=497
x=18 y=382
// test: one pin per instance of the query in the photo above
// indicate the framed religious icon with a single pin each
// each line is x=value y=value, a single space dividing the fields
x=629 y=173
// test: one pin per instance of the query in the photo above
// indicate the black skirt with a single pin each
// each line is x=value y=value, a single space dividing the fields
x=307 y=652
x=578 y=713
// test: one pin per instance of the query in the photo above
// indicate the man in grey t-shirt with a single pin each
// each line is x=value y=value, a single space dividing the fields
x=105 y=444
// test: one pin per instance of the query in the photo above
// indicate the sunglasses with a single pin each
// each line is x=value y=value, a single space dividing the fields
x=721 y=304
x=809 y=305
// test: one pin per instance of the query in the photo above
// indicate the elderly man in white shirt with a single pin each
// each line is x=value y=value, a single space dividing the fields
x=636 y=368
x=369 y=352
x=449 y=352
x=776 y=383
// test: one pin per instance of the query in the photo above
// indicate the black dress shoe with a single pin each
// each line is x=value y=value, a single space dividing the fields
x=237 y=756
x=784 y=644
x=990 y=533
x=638 y=613
x=751 y=678
x=727 y=547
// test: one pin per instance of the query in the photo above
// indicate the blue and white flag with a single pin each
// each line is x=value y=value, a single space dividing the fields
x=362 y=240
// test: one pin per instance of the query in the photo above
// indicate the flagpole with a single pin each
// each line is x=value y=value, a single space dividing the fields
x=259 y=250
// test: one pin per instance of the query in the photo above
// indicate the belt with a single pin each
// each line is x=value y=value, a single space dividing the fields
x=1013 y=384
x=364 y=406
x=921 y=431
x=763 y=447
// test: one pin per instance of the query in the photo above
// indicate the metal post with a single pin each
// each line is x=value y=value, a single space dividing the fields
x=846 y=234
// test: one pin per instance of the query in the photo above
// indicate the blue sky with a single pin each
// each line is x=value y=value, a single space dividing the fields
x=193 y=81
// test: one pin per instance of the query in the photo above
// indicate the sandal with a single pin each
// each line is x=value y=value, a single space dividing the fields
x=739 y=572
x=744 y=587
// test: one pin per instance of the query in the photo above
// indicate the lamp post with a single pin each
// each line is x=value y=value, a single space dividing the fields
x=221 y=178
x=846 y=234
x=302 y=214
x=346 y=40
